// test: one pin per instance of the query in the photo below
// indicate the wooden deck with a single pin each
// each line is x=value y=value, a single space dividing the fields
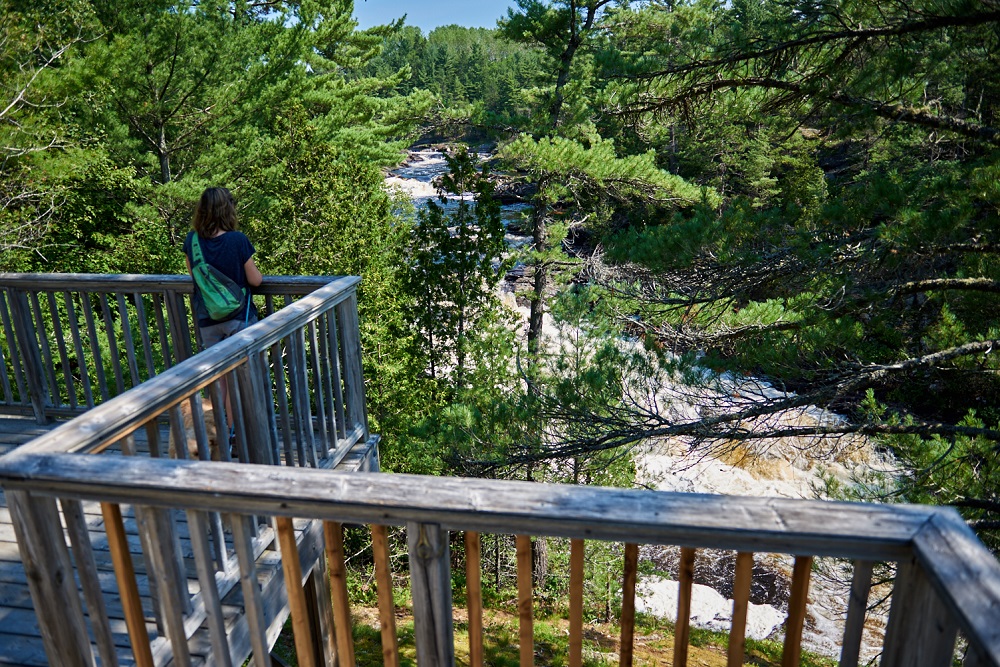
x=20 y=637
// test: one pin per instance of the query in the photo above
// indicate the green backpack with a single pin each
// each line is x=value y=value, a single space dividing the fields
x=223 y=298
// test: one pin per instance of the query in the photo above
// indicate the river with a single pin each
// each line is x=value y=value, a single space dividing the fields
x=791 y=468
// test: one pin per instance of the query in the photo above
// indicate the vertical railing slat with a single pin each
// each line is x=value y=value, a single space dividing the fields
x=792 y=652
x=281 y=391
x=302 y=630
x=350 y=342
x=38 y=329
x=525 y=602
x=857 y=605
x=95 y=346
x=338 y=386
x=144 y=338
x=74 y=330
x=49 y=573
x=252 y=599
x=333 y=535
x=300 y=398
x=123 y=318
x=57 y=332
x=116 y=360
x=386 y=606
x=682 y=630
x=576 y=557
x=86 y=569
x=325 y=445
x=198 y=527
x=741 y=603
x=327 y=362
x=631 y=570
x=13 y=345
x=128 y=591
x=474 y=595
x=161 y=330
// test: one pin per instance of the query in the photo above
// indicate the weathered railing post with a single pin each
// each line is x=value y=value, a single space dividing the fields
x=921 y=630
x=49 y=571
x=255 y=410
x=34 y=369
x=430 y=585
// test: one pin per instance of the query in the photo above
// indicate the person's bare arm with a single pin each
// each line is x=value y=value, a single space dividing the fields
x=254 y=276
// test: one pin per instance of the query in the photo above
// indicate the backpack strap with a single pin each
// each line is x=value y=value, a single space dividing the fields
x=196 y=256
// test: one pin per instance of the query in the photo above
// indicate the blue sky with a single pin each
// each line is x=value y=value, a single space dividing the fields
x=429 y=14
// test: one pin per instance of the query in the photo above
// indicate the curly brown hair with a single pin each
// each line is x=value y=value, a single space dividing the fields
x=216 y=211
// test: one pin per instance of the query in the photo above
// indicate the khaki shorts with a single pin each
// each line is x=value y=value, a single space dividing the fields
x=215 y=333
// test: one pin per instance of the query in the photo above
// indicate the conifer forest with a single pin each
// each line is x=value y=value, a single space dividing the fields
x=752 y=230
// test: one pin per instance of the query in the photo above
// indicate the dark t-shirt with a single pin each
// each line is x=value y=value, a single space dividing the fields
x=228 y=253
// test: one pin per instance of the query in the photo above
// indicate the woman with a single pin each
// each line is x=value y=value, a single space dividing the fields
x=228 y=250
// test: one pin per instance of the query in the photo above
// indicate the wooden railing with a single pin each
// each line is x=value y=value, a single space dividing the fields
x=71 y=341
x=296 y=397
x=946 y=582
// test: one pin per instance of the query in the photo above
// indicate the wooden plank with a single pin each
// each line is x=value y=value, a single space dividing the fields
x=8 y=393
x=430 y=586
x=576 y=553
x=386 y=606
x=321 y=612
x=326 y=363
x=254 y=407
x=921 y=630
x=161 y=330
x=302 y=630
x=792 y=651
x=128 y=591
x=682 y=629
x=12 y=343
x=631 y=569
x=144 y=338
x=966 y=577
x=305 y=438
x=338 y=385
x=354 y=381
x=252 y=599
x=238 y=417
x=652 y=517
x=123 y=319
x=278 y=371
x=326 y=443
x=857 y=607
x=741 y=603
x=171 y=581
x=474 y=596
x=86 y=569
x=180 y=334
x=116 y=360
x=336 y=562
x=49 y=573
x=61 y=347
x=198 y=525
x=95 y=347
x=525 y=600
x=34 y=365
x=74 y=330
x=142 y=282
x=38 y=329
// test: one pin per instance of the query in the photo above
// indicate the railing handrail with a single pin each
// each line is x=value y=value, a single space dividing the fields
x=965 y=575
x=141 y=282
x=123 y=414
x=784 y=525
